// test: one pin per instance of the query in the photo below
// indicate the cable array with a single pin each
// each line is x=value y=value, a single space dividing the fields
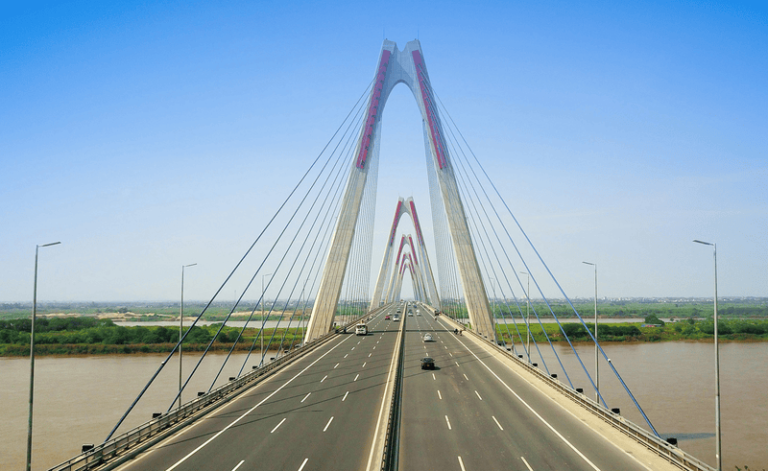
x=503 y=258
x=288 y=256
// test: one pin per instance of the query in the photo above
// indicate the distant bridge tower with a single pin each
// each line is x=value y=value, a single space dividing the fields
x=394 y=67
x=421 y=260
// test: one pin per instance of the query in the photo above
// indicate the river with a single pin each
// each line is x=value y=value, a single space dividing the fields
x=79 y=399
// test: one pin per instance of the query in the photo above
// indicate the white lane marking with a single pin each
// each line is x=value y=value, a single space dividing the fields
x=439 y=395
x=446 y=347
x=526 y=464
x=353 y=348
x=465 y=377
x=238 y=465
x=304 y=463
x=457 y=363
x=337 y=365
x=328 y=424
x=345 y=396
x=449 y=353
x=369 y=355
x=374 y=347
x=364 y=364
x=345 y=356
x=433 y=377
x=592 y=465
x=497 y=422
x=323 y=378
x=461 y=463
x=253 y=409
x=358 y=342
x=425 y=346
x=358 y=375
x=276 y=426
x=478 y=395
x=305 y=397
x=448 y=422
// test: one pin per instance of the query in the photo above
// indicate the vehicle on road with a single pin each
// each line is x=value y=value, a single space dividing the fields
x=361 y=329
x=387 y=317
x=427 y=363
x=396 y=319
x=410 y=314
x=428 y=337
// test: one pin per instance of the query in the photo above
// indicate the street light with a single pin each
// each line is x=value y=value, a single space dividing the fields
x=32 y=359
x=181 y=323
x=597 y=370
x=717 y=366
x=263 y=321
x=528 y=314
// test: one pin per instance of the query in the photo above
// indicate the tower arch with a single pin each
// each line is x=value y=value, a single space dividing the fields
x=394 y=67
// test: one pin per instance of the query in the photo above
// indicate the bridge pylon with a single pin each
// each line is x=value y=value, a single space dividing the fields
x=394 y=67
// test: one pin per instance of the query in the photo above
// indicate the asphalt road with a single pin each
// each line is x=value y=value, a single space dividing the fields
x=474 y=413
x=319 y=413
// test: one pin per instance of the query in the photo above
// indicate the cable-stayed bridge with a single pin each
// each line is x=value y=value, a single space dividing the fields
x=312 y=394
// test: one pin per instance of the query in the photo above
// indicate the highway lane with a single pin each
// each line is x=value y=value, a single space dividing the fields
x=465 y=417
x=319 y=413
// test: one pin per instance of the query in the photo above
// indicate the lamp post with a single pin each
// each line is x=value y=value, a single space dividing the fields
x=528 y=314
x=718 y=450
x=597 y=369
x=263 y=321
x=181 y=323
x=32 y=359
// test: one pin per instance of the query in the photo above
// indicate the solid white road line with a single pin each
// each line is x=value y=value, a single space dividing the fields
x=358 y=375
x=478 y=395
x=276 y=426
x=461 y=463
x=439 y=395
x=526 y=464
x=448 y=422
x=253 y=408
x=591 y=464
x=305 y=397
x=328 y=424
x=345 y=396
x=303 y=464
x=497 y=422
x=238 y=465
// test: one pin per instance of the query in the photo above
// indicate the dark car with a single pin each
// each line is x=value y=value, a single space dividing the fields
x=427 y=363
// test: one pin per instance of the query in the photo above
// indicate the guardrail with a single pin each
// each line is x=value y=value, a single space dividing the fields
x=670 y=452
x=389 y=459
x=127 y=444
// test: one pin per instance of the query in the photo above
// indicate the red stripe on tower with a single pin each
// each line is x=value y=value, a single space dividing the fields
x=373 y=109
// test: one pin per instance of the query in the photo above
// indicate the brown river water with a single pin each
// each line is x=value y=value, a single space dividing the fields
x=79 y=399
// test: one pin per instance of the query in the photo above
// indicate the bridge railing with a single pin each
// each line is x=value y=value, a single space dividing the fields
x=166 y=424
x=673 y=454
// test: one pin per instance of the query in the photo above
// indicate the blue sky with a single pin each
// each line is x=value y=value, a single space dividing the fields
x=147 y=135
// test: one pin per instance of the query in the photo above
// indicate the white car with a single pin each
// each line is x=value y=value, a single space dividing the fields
x=428 y=337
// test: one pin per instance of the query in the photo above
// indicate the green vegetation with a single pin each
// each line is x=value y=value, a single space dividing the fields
x=735 y=329
x=757 y=308
x=85 y=335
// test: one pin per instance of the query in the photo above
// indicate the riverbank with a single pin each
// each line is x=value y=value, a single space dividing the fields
x=739 y=330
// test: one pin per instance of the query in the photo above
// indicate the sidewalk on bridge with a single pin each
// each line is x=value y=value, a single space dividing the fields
x=626 y=444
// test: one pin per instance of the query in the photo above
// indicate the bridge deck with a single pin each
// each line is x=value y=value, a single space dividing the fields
x=473 y=412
